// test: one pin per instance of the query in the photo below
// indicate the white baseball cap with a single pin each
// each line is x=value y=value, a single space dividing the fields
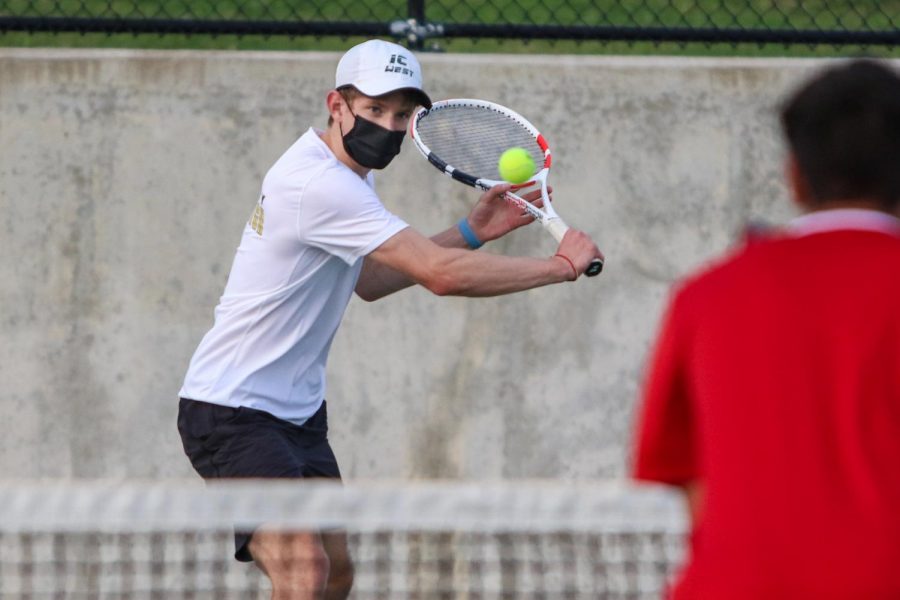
x=377 y=67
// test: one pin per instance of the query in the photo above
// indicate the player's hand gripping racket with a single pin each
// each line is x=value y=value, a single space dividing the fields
x=464 y=138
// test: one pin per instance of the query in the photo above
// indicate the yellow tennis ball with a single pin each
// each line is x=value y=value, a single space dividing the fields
x=516 y=165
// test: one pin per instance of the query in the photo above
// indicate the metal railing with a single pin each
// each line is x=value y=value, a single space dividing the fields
x=418 y=21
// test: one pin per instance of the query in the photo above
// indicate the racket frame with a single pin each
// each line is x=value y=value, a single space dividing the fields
x=547 y=216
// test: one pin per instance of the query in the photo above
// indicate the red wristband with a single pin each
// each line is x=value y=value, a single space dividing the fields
x=571 y=264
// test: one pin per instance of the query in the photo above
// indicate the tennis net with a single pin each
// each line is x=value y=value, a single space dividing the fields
x=422 y=540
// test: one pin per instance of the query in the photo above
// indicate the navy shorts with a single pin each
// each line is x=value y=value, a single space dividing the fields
x=224 y=442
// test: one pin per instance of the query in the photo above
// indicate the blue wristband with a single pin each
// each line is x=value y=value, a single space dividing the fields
x=466 y=231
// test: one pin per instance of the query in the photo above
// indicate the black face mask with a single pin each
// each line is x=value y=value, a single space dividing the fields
x=370 y=144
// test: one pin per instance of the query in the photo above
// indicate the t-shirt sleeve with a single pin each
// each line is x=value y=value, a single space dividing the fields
x=666 y=438
x=343 y=216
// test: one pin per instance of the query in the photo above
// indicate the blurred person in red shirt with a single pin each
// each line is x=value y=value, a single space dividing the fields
x=772 y=397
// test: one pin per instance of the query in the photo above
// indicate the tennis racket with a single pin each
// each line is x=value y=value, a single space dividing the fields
x=464 y=139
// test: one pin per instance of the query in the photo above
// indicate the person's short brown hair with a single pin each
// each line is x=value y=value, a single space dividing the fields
x=843 y=129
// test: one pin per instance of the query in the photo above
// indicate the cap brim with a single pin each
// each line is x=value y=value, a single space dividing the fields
x=421 y=97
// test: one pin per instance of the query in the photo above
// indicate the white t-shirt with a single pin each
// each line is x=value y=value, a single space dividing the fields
x=292 y=277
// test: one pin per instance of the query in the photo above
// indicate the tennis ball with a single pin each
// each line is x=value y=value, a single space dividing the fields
x=516 y=165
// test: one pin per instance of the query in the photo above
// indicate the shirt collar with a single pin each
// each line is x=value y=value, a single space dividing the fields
x=821 y=221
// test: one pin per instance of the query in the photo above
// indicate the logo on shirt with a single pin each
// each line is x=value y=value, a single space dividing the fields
x=258 y=218
x=398 y=64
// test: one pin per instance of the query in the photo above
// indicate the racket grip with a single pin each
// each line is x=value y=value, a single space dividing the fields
x=594 y=268
x=557 y=228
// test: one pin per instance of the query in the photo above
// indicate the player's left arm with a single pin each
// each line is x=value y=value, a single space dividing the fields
x=666 y=445
x=695 y=494
x=492 y=217
x=665 y=437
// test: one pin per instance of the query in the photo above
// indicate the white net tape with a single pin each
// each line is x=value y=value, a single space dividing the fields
x=407 y=540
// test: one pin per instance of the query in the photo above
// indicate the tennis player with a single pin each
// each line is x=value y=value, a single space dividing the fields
x=773 y=397
x=253 y=399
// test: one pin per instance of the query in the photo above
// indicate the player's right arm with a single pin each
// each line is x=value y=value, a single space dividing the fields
x=389 y=269
x=411 y=258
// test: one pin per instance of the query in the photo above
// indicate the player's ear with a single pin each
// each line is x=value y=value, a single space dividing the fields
x=335 y=104
x=798 y=186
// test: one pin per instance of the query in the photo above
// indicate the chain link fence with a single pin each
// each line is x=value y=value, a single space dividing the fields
x=424 y=23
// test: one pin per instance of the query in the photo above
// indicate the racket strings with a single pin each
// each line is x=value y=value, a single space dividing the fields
x=471 y=139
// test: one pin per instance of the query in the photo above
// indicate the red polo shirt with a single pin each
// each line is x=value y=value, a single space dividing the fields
x=776 y=383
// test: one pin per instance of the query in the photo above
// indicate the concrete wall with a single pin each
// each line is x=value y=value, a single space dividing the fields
x=126 y=178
